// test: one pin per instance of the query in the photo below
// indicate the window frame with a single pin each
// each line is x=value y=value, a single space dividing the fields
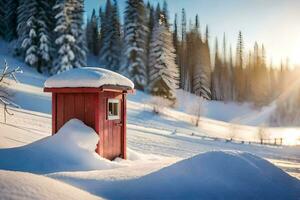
x=113 y=117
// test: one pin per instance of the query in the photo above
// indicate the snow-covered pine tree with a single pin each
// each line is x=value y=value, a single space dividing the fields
x=225 y=83
x=88 y=33
x=92 y=34
x=102 y=27
x=239 y=84
x=230 y=69
x=36 y=42
x=200 y=65
x=176 y=42
x=182 y=53
x=45 y=37
x=22 y=17
x=217 y=93
x=77 y=30
x=64 y=40
x=206 y=66
x=10 y=18
x=134 y=48
x=69 y=40
x=205 y=63
x=111 y=45
x=164 y=74
x=31 y=35
x=2 y=19
x=150 y=22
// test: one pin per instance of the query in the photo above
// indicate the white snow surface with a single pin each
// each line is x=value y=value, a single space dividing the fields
x=71 y=149
x=27 y=186
x=88 y=77
x=211 y=175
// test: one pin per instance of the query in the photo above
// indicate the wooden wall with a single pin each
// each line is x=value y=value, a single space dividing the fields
x=75 y=105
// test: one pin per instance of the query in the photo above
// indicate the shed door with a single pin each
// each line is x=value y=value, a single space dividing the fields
x=113 y=136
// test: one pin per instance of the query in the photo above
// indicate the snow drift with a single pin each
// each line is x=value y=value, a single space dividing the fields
x=212 y=175
x=26 y=186
x=71 y=149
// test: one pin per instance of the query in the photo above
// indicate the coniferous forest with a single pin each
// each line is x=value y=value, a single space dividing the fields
x=158 y=55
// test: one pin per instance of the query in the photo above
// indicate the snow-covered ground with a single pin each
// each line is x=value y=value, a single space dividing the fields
x=69 y=157
x=27 y=186
x=154 y=142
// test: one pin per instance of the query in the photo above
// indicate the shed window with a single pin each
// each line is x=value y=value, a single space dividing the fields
x=113 y=109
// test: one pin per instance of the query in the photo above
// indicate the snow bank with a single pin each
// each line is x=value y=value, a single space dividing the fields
x=212 y=175
x=71 y=149
x=26 y=186
x=88 y=77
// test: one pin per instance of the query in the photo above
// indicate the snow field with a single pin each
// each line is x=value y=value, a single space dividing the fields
x=72 y=149
x=27 y=186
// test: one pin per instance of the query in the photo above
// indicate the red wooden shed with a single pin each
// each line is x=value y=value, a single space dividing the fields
x=98 y=98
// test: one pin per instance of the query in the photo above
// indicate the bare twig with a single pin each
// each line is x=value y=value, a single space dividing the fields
x=4 y=99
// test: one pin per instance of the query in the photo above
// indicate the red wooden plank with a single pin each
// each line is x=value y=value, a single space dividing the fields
x=79 y=106
x=123 y=136
x=89 y=112
x=101 y=121
x=54 y=128
x=96 y=114
x=105 y=127
x=110 y=142
x=96 y=104
x=118 y=129
x=69 y=107
x=59 y=111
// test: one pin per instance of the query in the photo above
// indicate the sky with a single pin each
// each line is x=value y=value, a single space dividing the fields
x=275 y=23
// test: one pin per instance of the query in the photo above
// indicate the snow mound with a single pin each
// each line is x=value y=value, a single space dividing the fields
x=71 y=149
x=88 y=77
x=26 y=186
x=212 y=175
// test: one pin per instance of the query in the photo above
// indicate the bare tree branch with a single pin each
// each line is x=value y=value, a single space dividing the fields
x=4 y=95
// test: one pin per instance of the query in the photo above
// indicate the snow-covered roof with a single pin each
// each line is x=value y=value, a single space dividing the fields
x=93 y=77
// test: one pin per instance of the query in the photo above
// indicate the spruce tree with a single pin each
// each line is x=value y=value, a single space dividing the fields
x=76 y=19
x=230 y=76
x=225 y=70
x=150 y=21
x=163 y=79
x=102 y=27
x=110 y=50
x=135 y=37
x=36 y=42
x=92 y=34
x=217 y=93
x=176 y=47
x=183 y=56
x=88 y=33
x=23 y=16
x=239 y=71
x=206 y=68
x=2 y=18
x=10 y=19
x=70 y=37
